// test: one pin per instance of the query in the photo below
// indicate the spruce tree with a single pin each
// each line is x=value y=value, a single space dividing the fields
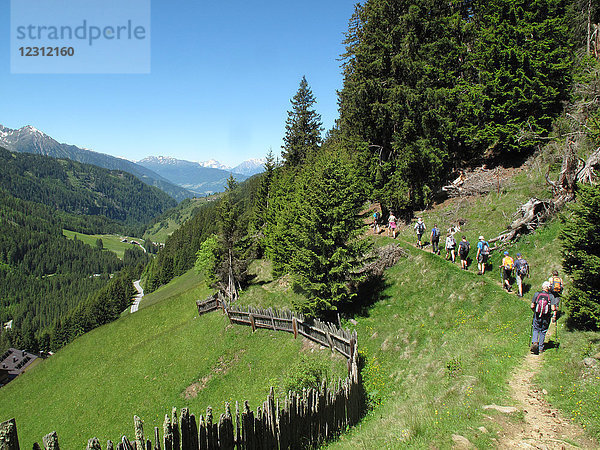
x=581 y=244
x=302 y=128
x=260 y=206
x=327 y=245
x=231 y=267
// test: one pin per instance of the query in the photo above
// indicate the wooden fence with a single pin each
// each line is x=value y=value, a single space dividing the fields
x=323 y=333
x=301 y=420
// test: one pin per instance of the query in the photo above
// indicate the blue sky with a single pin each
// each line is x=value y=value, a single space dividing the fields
x=222 y=75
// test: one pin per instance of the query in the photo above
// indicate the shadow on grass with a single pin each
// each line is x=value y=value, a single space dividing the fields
x=368 y=294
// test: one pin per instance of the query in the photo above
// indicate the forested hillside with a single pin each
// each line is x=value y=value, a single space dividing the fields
x=83 y=189
x=51 y=287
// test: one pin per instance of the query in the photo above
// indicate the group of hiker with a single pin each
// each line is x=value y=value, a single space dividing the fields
x=545 y=303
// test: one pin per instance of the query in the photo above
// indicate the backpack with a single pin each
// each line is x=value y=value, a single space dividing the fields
x=452 y=242
x=542 y=306
x=509 y=263
x=485 y=248
x=435 y=233
x=556 y=285
x=464 y=247
x=420 y=227
x=522 y=267
x=376 y=216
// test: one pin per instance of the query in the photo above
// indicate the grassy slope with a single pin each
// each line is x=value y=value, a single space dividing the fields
x=174 y=218
x=142 y=364
x=441 y=343
x=111 y=242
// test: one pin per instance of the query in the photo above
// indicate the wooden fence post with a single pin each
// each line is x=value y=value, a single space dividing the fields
x=295 y=327
x=226 y=438
x=109 y=445
x=51 y=441
x=175 y=428
x=8 y=435
x=202 y=443
x=140 y=442
x=185 y=429
x=93 y=444
x=252 y=322
x=156 y=439
x=167 y=434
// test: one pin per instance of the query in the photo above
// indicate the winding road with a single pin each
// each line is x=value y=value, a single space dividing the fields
x=138 y=298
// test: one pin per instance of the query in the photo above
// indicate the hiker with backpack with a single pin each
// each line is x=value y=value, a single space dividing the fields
x=507 y=267
x=483 y=254
x=450 y=246
x=376 y=219
x=543 y=306
x=435 y=239
x=556 y=285
x=521 y=271
x=420 y=229
x=392 y=224
x=463 y=251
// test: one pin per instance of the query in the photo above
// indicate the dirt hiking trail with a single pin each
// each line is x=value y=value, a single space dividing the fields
x=543 y=426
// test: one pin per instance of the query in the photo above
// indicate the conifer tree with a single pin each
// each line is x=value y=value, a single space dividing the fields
x=231 y=267
x=260 y=206
x=581 y=243
x=327 y=247
x=302 y=128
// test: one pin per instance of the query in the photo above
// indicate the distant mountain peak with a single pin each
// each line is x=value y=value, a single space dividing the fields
x=214 y=164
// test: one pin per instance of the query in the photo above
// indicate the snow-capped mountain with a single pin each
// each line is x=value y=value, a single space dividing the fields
x=29 y=139
x=250 y=167
x=191 y=175
x=214 y=164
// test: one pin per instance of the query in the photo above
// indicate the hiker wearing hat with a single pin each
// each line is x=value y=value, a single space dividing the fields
x=419 y=229
x=521 y=271
x=506 y=267
x=543 y=306
x=483 y=253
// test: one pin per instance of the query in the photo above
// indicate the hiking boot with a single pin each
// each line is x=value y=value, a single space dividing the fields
x=534 y=348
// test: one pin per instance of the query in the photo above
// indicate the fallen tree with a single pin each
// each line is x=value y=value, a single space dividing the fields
x=535 y=212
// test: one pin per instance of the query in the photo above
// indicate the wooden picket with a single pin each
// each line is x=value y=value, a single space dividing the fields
x=301 y=420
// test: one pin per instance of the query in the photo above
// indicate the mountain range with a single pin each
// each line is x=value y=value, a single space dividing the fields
x=178 y=178
x=200 y=177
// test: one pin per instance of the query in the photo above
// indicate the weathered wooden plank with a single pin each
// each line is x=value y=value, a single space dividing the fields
x=109 y=445
x=167 y=434
x=51 y=441
x=226 y=437
x=93 y=444
x=8 y=435
x=175 y=430
x=185 y=429
x=156 y=439
x=248 y=435
x=138 y=425
x=202 y=439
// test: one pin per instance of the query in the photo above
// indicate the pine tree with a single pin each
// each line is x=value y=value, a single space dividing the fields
x=303 y=127
x=581 y=244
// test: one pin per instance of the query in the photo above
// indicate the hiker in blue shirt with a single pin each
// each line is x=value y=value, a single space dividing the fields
x=543 y=306
x=483 y=253
x=435 y=239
